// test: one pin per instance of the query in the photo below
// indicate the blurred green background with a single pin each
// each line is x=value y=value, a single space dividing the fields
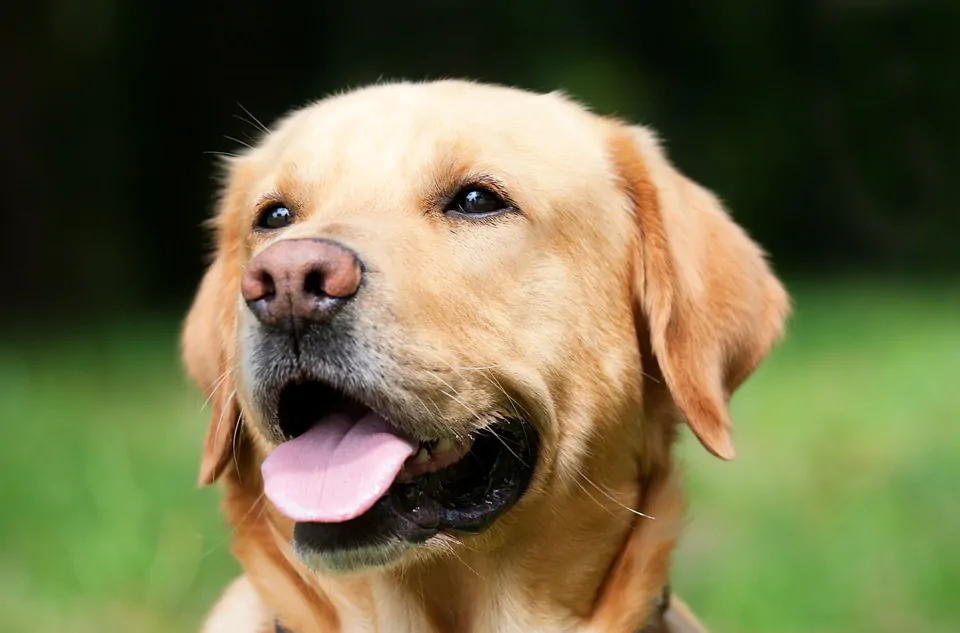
x=830 y=128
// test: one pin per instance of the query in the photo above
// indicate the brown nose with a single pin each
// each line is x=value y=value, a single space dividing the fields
x=300 y=281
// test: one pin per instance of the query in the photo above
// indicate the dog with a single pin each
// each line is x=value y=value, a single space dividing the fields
x=450 y=332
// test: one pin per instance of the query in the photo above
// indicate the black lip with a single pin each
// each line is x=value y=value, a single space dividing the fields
x=466 y=497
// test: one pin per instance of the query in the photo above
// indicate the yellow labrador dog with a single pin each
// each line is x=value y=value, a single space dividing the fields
x=450 y=331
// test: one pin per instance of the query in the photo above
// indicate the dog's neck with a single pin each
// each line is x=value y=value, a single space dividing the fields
x=596 y=566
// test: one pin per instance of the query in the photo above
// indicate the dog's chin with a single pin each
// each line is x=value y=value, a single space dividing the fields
x=388 y=554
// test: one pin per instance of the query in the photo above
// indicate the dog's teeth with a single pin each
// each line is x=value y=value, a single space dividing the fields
x=422 y=456
x=443 y=445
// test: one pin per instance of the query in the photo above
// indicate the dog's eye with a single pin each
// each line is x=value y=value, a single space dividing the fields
x=275 y=217
x=477 y=202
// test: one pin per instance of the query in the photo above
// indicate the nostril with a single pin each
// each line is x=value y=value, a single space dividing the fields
x=313 y=284
x=267 y=288
x=257 y=284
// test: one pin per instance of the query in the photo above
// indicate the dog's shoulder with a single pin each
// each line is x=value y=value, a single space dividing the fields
x=239 y=610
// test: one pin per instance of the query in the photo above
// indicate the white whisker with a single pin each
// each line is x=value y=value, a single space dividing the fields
x=226 y=405
x=518 y=410
x=492 y=380
x=449 y=547
x=455 y=396
x=426 y=409
x=238 y=141
x=256 y=122
x=616 y=501
x=492 y=431
x=595 y=500
x=236 y=434
x=216 y=386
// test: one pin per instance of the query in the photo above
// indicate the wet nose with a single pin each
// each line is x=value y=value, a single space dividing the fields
x=302 y=280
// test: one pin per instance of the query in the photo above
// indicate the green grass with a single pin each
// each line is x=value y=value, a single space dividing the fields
x=841 y=512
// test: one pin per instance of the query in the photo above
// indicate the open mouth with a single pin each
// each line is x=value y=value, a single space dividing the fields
x=351 y=479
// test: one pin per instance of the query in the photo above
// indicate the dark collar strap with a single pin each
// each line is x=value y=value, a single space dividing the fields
x=655 y=624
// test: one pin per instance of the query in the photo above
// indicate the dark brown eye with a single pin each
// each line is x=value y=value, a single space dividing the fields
x=275 y=217
x=477 y=202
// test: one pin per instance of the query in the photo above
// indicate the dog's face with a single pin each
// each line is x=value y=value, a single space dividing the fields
x=434 y=305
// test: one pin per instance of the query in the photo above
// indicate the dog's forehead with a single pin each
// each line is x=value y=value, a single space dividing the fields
x=407 y=130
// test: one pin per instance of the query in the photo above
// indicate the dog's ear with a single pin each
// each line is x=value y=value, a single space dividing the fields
x=207 y=336
x=711 y=306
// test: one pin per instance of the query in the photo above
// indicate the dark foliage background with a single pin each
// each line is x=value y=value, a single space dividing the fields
x=830 y=127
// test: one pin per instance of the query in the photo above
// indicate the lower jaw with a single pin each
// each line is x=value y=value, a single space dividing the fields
x=382 y=526
x=345 y=561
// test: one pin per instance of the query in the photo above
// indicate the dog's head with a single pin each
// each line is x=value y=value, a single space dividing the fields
x=435 y=305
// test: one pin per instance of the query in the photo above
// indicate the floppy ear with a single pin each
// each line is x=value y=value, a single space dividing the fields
x=207 y=336
x=204 y=351
x=711 y=304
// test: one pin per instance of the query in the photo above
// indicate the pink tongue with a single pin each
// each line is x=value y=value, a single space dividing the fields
x=337 y=470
